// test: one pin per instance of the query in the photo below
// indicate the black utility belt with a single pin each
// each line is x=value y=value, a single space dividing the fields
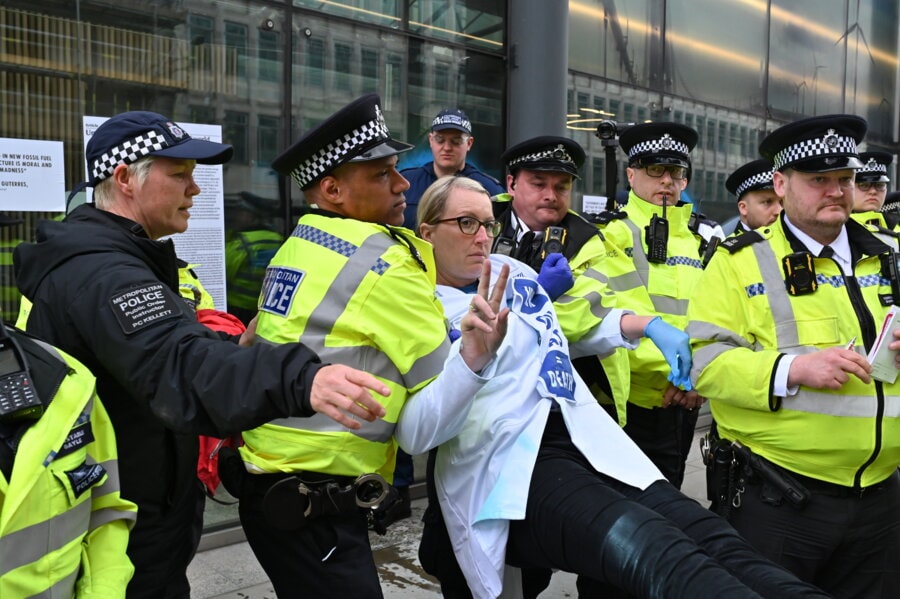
x=822 y=487
x=293 y=500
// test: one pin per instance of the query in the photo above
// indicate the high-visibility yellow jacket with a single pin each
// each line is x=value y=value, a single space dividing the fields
x=743 y=321
x=360 y=294
x=600 y=270
x=876 y=223
x=63 y=525
x=192 y=290
x=664 y=287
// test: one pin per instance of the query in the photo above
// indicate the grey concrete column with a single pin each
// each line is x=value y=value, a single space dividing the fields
x=538 y=52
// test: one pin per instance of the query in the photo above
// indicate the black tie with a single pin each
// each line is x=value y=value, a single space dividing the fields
x=826 y=252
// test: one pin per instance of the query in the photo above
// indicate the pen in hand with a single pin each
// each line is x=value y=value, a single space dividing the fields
x=850 y=343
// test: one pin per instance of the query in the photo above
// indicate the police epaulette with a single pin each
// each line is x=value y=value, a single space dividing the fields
x=738 y=242
x=605 y=217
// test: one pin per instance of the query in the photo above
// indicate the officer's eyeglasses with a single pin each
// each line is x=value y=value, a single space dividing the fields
x=657 y=170
x=455 y=141
x=469 y=225
x=867 y=185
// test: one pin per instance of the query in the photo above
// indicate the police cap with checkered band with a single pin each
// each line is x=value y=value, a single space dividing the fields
x=545 y=153
x=817 y=144
x=130 y=136
x=753 y=176
x=658 y=143
x=355 y=133
x=874 y=168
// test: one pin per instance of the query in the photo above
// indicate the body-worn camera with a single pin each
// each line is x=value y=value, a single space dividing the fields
x=554 y=241
x=799 y=273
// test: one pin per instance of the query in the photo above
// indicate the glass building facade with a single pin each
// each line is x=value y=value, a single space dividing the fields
x=268 y=70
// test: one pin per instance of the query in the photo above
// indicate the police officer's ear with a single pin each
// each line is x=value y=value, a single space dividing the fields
x=779 y=183
x=510 y=183
x=328 y=188
x=123 y=180
x=742 y=207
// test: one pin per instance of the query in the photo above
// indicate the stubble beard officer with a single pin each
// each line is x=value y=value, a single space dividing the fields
x=362 y=291
x=105 y=289
x=771 y=354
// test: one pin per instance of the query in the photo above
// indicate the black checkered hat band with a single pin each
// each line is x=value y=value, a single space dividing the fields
x=754 y=181
x=655 y=146
x=127 y=152
x=558 y=154
x=873 y=166
x=320 y=161
x=811 y=148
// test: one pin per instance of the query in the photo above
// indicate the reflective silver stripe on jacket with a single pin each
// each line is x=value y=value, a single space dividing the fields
x=661 y=303
x=593 y=298
x=63 y=588
x=725 y=340
x=814 y=401
x=786 y=332
x=30 y=544
x=363 y=259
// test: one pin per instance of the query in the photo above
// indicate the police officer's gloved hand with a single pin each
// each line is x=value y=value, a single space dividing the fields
x=675 y=346
x=556 y=276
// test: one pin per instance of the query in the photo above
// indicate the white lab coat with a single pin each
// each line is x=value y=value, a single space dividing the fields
x=489 y=443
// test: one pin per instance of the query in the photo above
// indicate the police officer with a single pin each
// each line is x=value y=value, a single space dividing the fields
x=819 y=438
x=662 y=236
x=870 y=189
x=105 y=289
x=358 y=288
x=757 y=203
x=451 y=141
x=63 y=523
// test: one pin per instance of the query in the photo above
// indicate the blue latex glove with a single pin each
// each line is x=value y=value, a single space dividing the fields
x=675 y=346
x=556 y=276
x=454 y=334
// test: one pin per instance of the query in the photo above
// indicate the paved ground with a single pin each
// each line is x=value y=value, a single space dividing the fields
x=232 y=572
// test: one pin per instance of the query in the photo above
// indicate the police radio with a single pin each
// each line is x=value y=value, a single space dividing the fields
x=18 y=397
x=890 y=269
x=554 y=241
x=657 y=236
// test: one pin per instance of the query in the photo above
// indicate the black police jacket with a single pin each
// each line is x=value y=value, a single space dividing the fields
x=108 y=295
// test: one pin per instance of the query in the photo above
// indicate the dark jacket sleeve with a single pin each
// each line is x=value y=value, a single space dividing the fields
x=188 y=376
